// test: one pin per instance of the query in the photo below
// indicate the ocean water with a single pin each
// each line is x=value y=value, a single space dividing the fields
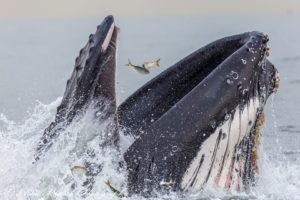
x=37 y=57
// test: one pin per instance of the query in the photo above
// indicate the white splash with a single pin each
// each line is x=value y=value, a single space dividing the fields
x=51 y=178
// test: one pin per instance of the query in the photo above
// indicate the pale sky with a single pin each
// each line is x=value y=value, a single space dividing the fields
x=58 y=9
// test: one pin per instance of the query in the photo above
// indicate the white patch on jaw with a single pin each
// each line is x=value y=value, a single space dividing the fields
x=218 y=167
x=108 y=37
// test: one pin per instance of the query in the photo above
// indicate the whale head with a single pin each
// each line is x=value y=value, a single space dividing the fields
x=197 y=123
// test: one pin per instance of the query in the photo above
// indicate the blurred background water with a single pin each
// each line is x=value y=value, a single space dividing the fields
x=37 y=58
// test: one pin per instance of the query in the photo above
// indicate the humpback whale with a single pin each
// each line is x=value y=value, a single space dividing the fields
x=195 y=124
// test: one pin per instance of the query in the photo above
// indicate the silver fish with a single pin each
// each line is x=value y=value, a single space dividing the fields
x=79 y=170
x=137 y=68
x=114 y=190
x=151 y=64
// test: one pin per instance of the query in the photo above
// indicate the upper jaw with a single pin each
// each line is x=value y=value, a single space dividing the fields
x=94 y=64
x=95 y=53
x=104 y=33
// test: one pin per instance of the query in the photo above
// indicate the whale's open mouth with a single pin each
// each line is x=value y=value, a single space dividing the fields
x=180 y=79
x=195 y=124
x=207 y=107
x=175 y=83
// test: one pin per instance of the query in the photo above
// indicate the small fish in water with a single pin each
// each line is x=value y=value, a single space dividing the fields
x=114 y=190
x=151 y=64
x=79 y=170
x=137 y=68
x=167 y=184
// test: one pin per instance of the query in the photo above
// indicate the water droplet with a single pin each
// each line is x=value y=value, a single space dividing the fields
x=245 y=91
x=244 y=61
x=226 y=117
x=213 y=124
x=234 y=75
x=98 y=114
x=229 y=82
x=174 y=149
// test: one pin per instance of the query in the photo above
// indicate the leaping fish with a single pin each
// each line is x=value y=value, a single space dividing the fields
x=114 y=190
x=137 y=68
x=151 y=64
